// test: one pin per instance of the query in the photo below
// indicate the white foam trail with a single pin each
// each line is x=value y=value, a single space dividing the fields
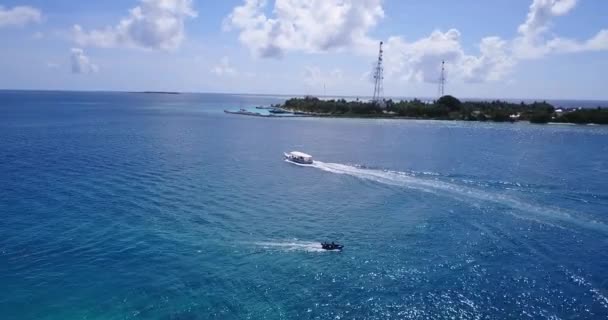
x=459 y=192
x=292 y=246
x=299 y=164
x=595 y=292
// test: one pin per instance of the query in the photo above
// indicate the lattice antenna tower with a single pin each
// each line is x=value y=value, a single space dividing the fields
x=442 y=80
x=379 y=79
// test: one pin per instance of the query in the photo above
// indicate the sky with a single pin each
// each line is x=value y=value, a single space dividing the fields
x=552 y=49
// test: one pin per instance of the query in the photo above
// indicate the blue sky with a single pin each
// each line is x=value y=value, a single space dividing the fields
x=493 y=49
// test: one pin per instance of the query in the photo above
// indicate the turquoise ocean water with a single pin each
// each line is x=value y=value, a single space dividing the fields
x=147 y=206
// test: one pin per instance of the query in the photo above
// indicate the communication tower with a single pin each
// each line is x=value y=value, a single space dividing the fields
x=442 y=80
x=379 y=79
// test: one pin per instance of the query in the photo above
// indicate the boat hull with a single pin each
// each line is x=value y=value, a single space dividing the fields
x=329 y=247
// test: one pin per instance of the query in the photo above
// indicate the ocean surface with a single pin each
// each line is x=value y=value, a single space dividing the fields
x=152 y=206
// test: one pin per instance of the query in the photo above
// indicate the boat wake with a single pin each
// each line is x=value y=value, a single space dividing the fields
x=292 y=245
x=463 y=193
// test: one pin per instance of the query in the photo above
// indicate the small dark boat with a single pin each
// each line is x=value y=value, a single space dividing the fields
x=278 y=111
x=331 y=246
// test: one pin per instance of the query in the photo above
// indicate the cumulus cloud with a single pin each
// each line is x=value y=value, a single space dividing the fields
x=597 y=43
x=153 y=24
x=420 y=60
x=304 y=25
x=531 y=42
x=324 y=25
x=81 y=63
x=534 y=42
x=223 y=68
x=19 y=16
x=493 y=63
x=540 y=14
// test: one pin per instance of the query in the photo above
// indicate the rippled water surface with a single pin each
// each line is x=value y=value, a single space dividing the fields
x=145 y=206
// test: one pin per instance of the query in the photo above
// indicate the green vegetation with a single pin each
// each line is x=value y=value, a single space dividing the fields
x=583 y=116
x=333 y=107
x=448 y=108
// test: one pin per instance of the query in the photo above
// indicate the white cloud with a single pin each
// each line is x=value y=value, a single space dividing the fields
x=531 y=42
x=81 y=63
x=154 y=24
x=420 y=60
x=540 y=14
x=223 y=68
x=19 y=16
x=324 y=25
x=597 y=43
x=305 y=25
x=493 y=63
x=52 y=65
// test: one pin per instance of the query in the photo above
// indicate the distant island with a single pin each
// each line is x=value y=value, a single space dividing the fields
x=159 y=92
x=447 y=108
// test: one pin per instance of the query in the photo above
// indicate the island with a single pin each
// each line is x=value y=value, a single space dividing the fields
x=446 y=108
x=159 y=92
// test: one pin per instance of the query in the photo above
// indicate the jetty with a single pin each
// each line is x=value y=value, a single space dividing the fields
x=273 y=112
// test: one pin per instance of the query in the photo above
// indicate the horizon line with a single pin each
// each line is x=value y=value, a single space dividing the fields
x=300 y=95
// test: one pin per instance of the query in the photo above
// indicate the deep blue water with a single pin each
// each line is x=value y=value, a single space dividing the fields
x=145 y=206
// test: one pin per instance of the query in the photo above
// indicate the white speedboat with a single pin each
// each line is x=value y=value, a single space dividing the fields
x=298 y=157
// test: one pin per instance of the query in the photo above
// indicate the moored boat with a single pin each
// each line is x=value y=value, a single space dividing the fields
x=278 y=111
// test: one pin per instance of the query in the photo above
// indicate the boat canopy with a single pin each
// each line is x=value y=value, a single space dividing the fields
x=300 y=155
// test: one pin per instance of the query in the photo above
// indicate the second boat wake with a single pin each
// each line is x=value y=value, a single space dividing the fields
x=465 y=193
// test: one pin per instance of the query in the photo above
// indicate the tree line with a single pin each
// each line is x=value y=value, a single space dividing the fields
x=449 y=108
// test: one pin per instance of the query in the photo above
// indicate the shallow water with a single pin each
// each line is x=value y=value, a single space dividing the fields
x=133 y=206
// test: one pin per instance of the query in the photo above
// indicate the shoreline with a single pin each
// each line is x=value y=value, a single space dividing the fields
x=389 y=117
x=254 y=114
x=447 y=108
